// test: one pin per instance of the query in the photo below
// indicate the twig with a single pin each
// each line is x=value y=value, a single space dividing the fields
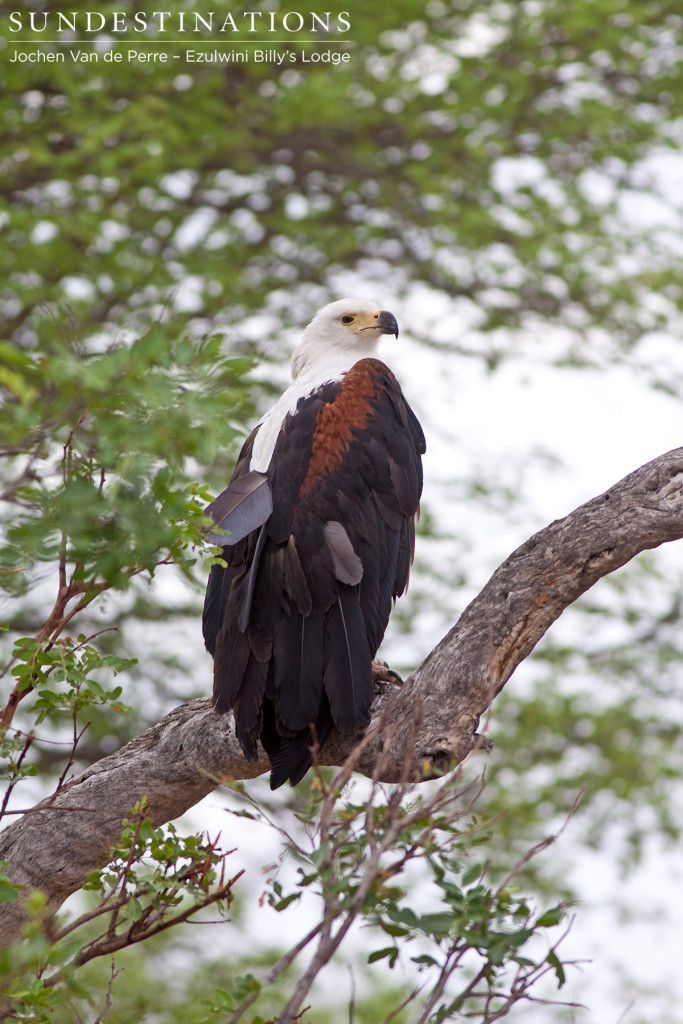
x=108 y=1000
x=402 y=1005
x=352 y=999
x=15 y=776
x=135 y=933
x=542 y=845
x=72 y=753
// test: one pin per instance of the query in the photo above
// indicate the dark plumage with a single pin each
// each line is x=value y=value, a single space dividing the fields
x=297 y=616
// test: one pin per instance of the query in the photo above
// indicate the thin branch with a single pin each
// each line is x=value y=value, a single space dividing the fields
x=16 y=773
x=90 y=915
x=542 y=845
x=113 y=974
x=402 y=1005
x=137 y=933
x=72 y=753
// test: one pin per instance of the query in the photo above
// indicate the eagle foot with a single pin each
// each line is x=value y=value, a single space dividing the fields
x=381 y=673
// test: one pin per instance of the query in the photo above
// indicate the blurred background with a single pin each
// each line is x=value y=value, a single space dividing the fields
x=506 y=178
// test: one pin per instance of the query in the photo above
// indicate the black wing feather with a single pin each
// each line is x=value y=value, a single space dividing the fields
x=242 y=507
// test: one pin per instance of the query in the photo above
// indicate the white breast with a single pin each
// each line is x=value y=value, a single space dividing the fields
x=271 y=423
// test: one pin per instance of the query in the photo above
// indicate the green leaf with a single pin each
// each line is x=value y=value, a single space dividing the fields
x=555 y=962
x=246 y=985
x=133 y=910
x=8 y=892
x=550 y=917
x=438 y=925
x=393 y=929
x=285 y=902
x=223 y=1000
x=389 y=953
x=424 y=960
x=472 y=874
x=404 y=915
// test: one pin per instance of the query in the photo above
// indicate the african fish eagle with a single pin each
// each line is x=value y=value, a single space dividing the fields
x=318 y=532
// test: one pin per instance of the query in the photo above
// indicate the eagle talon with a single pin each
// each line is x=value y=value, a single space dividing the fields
x=381 y=673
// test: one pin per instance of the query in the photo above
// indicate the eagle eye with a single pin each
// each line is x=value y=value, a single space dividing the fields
x=347 y=319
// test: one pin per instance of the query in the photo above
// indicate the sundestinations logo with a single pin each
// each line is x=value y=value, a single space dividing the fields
x=158 y=22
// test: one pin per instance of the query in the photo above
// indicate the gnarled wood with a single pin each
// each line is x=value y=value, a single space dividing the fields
x=178 y=761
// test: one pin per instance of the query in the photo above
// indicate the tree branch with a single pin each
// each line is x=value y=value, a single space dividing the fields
x=181 y=759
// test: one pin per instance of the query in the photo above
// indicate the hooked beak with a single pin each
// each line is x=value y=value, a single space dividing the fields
x=386 y=323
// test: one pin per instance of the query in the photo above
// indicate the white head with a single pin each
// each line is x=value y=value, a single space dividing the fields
x=346 y=330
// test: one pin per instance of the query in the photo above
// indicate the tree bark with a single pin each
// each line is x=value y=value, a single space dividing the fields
x=185 y=756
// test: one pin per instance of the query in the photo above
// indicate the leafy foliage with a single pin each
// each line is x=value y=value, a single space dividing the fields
x=485 y=149
x=98 y=484
x=140 y=892
x=100 y=443
x=480 y=949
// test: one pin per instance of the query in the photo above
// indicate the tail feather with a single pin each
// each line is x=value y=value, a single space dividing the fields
x=281 y=669
x=267 y=603
x=295 y=579
x=230 y=664
x=248 y=715
x=246 y=601
x=405 y=557
x=294 y=757
x=217 y=593
x=347 y=673
x=298 y=656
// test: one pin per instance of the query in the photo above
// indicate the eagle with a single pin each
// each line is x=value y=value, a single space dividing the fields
x=317 y=527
